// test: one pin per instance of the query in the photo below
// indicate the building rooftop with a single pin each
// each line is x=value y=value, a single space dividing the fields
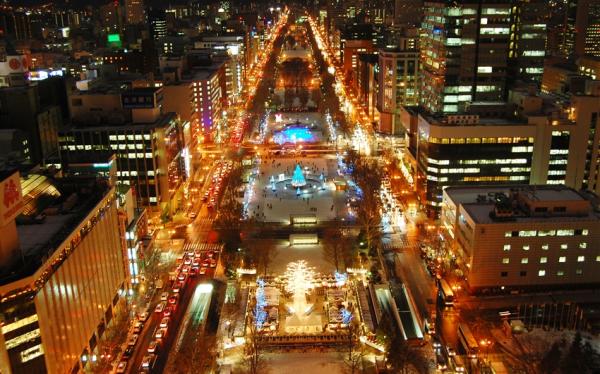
x=161 y=121
x=41 y=233
x=497 y=204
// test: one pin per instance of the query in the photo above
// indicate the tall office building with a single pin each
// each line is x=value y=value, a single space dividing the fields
x=157 y=19
x=63 y=273
x=587 y=38
x=575 y=29
x=134 y=12
x=398 y=86
x=469 y=47
x=408 y=12
x=524 y=237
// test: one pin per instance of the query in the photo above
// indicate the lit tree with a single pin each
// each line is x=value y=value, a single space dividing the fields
x=254 y=359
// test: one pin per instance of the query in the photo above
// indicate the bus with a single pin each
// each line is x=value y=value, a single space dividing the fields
x=468 y=341
x=446 y=293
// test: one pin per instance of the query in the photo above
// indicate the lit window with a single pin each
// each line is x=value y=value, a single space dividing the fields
x=562 y=259
x=541 y=273
x=597 y=258
x=506 y=260
x=565 y=232
x=527 y=233
x=545 y=247
x=583 y=245
x=543 y=260
x=564 y=246
x=526 y=247
x=584 y=232
x=560 y=273
x=507 y=247
x=579 y=271
x=580 y=258
x=525 y=260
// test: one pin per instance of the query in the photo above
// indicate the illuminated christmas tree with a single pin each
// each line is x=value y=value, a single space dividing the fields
x=298 y=179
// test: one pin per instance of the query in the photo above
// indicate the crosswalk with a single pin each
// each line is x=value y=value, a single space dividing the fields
x=397 y=244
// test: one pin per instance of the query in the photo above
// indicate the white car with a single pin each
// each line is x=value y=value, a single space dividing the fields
x=164 y=296
x=143 y=316
x=152 y=346
x=121 y=367
x=133 y=339
x=160 y=307
x=164 y=322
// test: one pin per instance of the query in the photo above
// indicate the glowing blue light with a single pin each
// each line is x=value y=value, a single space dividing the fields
x=294 y=134
x=346 y=316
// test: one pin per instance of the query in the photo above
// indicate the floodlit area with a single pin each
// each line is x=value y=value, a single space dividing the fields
x=277 y=198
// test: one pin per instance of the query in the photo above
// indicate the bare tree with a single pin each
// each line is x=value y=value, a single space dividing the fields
x=254 y=354
x=367 y=175
x=355 y=350
x=196 y=353
x=228 y=221
x=114 y=336
x=261 y=253
x=337 y=248
x=404 y=358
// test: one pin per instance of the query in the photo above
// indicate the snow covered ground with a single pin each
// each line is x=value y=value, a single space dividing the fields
x=312 y=362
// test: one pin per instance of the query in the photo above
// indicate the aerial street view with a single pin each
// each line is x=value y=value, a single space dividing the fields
x=319 y=187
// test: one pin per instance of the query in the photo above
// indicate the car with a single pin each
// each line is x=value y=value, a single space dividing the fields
x=176 y=288
x=160 y=307
x=173 y=299
x=121 y=367
x=132 y=340
x=160 y=333
x=450 y=351
x=187 y=261
x=441 y=362
x=195 y=263
x=184 y=271
x=148 y=362
x=213 y=263
x=193 y=272
x=182 y=277
x=128 y=351
x=436 y=343
x=164 y=296
x=138 y=326
x=210 y=254
x=202 y=271
x=164 y=322
x=143 y=316
x=193 y=215
x=168 y=311
x=152 y=346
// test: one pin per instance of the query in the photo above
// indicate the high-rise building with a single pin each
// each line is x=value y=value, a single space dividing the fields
x=63 y=275
x=469 y=49
x=587 y=26
x=148 y=143
x=134 y=11
x=398 y=86
x=157 y=19
x=408 y=12
x=523 y=237
x=575 y=29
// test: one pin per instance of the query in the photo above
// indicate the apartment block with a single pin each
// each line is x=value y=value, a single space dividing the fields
x=523 y=237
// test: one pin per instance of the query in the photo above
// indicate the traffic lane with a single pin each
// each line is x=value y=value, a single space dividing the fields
x=184 y=301
x=413 y=274
x=195 y=315
x=153 y=323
